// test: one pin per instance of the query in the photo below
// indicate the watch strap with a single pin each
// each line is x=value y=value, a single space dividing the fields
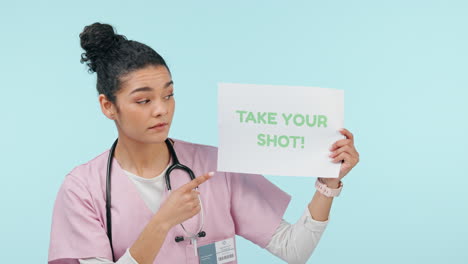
x=327 y=191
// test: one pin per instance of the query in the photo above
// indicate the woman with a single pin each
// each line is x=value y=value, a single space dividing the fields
x=136 y=91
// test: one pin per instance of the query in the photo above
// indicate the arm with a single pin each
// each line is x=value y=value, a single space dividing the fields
x=320 y=205
x=294 y=243
x=125 y=259
x=181 y=205
x=147 y=246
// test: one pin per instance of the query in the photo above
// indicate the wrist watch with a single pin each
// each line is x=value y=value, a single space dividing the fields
x=325 y=190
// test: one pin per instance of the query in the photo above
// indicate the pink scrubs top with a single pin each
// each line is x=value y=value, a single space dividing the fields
x=234 y=203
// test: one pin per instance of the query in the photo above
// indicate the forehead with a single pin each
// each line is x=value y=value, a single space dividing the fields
x=151 y=76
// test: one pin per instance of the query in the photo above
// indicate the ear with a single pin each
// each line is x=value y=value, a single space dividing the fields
x=107 y=107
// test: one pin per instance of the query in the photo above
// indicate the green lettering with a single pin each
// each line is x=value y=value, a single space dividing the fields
x=299 y=119
x=272 y=118
x=241 y=116
x=261 y=117
x=270 y=140
x=283 y=144
x=250 y=117
x=261 y=139
x=286 y=118
x=322 y=120
x=313 y=123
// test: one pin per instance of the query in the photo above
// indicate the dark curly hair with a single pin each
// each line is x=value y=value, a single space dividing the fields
x=112 y=56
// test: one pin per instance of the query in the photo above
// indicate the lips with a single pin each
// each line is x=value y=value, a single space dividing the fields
x=159 y=125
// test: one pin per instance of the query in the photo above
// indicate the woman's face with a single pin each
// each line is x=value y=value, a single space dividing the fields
x=144 y=101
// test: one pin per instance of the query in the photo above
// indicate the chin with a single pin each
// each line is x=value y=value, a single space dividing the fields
x=154 y=139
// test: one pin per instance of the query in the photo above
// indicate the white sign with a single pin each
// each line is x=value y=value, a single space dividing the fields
x=279 y=130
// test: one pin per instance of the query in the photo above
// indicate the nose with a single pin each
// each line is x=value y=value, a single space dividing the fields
x=160 y=108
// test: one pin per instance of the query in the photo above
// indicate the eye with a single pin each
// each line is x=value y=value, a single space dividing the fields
x=143 y=102
x=169 y=96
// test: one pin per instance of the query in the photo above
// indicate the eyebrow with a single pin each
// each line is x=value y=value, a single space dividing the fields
x=148 y=89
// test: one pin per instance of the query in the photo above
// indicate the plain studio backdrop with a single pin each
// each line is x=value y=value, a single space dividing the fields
x=402 y=65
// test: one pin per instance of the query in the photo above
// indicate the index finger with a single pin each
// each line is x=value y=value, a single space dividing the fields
x=347 y=133
x=197 y=181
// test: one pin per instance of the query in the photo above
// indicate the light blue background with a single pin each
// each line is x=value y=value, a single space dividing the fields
x=402 y=64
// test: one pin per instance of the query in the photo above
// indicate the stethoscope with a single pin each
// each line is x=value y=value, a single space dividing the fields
x=175 y=165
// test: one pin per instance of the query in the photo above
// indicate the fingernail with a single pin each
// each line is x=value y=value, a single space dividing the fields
x=211 y=173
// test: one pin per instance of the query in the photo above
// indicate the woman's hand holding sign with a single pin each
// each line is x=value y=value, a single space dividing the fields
x=345 y=152
x=342 y=151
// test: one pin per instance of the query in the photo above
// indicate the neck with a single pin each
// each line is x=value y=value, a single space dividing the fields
x=143 y=159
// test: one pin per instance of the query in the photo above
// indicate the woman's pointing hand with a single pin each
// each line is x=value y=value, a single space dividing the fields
x=183 y=203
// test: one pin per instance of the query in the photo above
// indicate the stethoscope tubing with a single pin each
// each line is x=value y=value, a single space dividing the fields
x=175 y=165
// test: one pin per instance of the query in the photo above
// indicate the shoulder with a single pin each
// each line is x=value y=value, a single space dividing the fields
x=90 y=173
x=200 y=158
x=195 y=149
x=83 y=188
x=186 y=144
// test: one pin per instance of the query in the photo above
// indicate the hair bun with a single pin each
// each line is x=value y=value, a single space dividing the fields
x=97 y=39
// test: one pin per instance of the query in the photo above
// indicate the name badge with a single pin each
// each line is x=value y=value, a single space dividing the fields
x=217 y=253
